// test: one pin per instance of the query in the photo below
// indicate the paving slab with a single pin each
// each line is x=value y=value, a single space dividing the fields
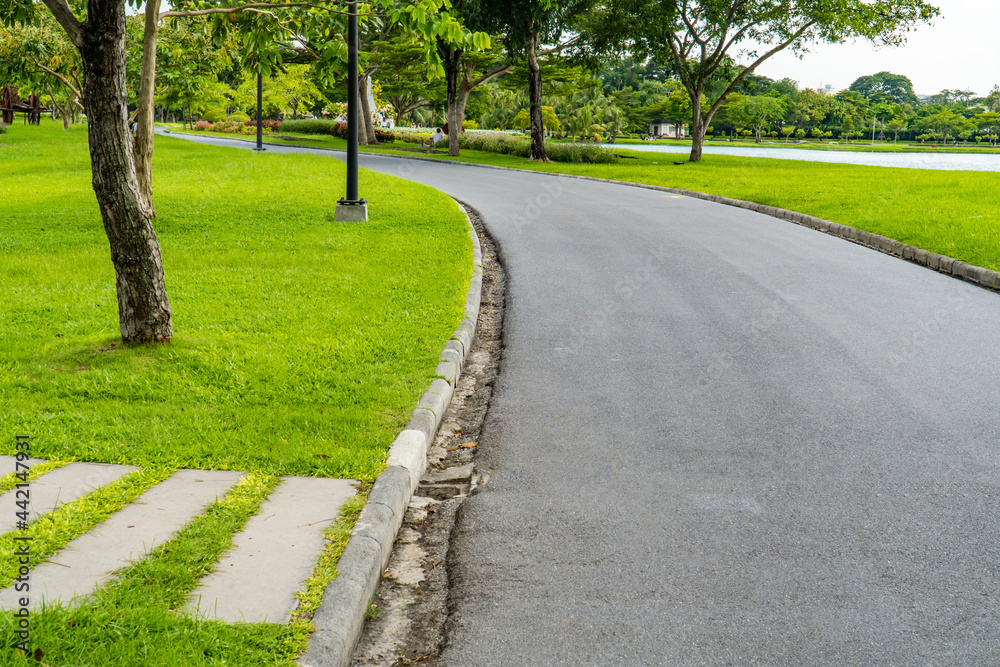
x=126 y=536
x=57 y=487
x=8 y=464
x=256 y=581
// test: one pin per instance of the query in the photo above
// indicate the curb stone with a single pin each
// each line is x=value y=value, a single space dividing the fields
x=340 y=617
x=986 y=278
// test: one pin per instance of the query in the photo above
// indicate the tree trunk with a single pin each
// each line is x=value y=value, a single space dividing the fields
x=363 y=99
x=143 y=306
x=365 y=127
x=698 y=125
x=535 y=97
x=451 y=58
x=145 y=118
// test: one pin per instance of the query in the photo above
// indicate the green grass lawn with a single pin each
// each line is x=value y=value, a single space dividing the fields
x=301 y=344
x=858 y=145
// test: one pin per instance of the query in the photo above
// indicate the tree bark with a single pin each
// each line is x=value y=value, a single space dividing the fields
x=535 y=97
x=365 y=127
x=145 y=118
x=143 y=306
x=697 y=129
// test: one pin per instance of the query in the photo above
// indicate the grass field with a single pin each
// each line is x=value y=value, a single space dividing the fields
x=301 y=344
x=858 y=145
x=301 y=347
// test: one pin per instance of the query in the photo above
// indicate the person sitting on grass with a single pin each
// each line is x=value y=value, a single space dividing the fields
x=435 y=138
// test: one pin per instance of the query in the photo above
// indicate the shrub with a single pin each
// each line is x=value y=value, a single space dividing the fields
x=239 y=117
x=496 y=142
x=308 y=126
x=214 y=115
x=579 y=153
x=470 y=125
x=266 y=124
x=506 y=144
x=339 y=130
x=203 y=125
x=3 y=128
x=413 y=138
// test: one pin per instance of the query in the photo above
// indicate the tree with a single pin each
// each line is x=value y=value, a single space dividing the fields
x=896 y=126
x=464 y=58
x=989 y=121
x=143 y=307
x=121 y=167
x=526 y=23
x=294 y=88
x=40 y=58
x=700 y=34
x=403 y=74
x=992 y=100
x=757 y=112
x=886 y=86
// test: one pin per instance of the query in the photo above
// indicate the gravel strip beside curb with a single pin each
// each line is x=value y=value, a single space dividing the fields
x=340 y=617
x=976 y=275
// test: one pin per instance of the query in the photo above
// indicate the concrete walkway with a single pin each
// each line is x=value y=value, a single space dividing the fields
x=256 y=581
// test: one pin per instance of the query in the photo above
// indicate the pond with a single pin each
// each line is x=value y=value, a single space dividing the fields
x=945 y=161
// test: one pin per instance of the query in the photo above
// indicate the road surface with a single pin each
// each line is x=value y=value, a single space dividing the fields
x=719 y=438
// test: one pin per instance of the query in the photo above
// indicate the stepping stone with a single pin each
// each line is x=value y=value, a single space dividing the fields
x=8 y=464
x=256 y=581
x=59 y=487
x=124 y=537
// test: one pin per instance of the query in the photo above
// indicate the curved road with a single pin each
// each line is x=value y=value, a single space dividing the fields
x=719 y=438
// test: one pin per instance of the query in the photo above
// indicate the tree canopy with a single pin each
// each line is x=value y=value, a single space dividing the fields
x=895 y=88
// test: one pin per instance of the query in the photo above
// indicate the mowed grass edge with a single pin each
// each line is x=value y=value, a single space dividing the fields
x=301 y=344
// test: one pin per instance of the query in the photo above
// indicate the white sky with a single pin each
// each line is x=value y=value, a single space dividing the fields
x=960 y=49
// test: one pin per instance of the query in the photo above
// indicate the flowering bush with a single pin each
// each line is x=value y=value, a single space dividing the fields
x=266 y=124
x=231 y=127
x=203 y=125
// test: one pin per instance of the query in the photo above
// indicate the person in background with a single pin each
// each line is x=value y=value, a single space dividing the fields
x=436 y=137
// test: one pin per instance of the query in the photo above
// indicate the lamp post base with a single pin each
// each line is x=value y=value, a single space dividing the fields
x=351 y=211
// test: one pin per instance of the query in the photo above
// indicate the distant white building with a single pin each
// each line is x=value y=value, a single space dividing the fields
x=663 y=127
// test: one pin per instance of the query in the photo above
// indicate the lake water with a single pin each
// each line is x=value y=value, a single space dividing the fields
x=946 y=161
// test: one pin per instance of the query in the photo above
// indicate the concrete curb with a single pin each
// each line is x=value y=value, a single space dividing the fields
x=949 y=266
x=340 y=617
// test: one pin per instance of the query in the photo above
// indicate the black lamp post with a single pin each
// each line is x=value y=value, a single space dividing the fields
x=260 y=116
x=351 y=208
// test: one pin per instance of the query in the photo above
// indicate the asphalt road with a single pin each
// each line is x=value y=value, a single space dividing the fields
x=719 y=438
